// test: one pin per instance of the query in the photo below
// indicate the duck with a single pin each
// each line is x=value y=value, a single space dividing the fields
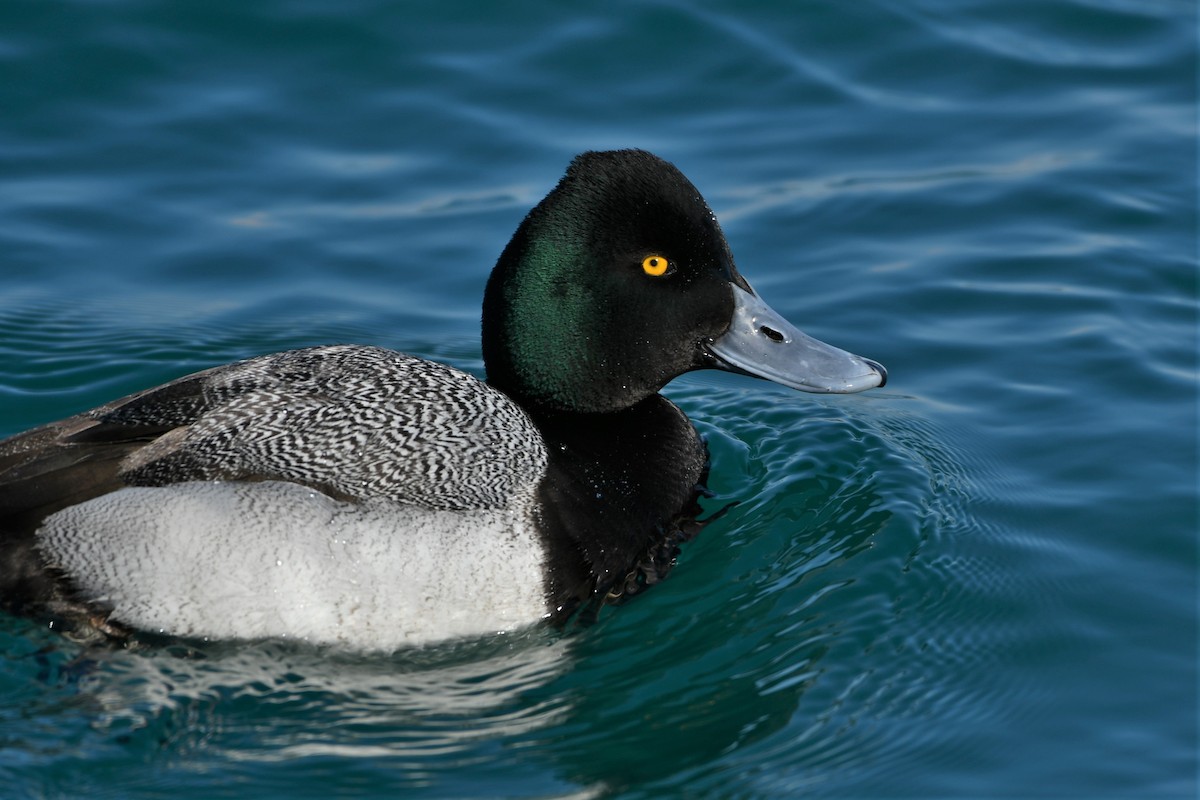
x=355 y=496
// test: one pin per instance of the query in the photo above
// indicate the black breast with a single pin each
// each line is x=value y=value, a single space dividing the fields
x=620 y=493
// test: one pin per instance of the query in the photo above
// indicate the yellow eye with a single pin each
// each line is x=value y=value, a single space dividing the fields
x=655 y=265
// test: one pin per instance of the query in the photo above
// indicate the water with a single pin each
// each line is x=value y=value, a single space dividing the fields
x=979 y=581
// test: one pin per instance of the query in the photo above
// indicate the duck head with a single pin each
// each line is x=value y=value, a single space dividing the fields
x=621 y=280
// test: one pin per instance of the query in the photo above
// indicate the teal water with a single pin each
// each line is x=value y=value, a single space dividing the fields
x=980 y=581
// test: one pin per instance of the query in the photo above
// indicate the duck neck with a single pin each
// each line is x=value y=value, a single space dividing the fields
x=619 y=488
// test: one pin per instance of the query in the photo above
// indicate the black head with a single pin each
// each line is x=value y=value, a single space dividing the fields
x=617 y=282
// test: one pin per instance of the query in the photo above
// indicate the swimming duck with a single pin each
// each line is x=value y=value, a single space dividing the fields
x=359 y=496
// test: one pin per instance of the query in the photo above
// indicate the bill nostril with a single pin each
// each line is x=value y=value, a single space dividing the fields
x=771 y=333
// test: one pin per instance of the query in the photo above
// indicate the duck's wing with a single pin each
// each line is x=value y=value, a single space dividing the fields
x=353 y=422
x=69 y=461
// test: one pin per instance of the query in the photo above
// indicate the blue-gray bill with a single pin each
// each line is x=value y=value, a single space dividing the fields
x=762 y=343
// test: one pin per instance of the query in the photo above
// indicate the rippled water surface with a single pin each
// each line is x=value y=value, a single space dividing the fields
x=978 y=581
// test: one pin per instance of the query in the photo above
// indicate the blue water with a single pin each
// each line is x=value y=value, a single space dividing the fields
x=980 y=581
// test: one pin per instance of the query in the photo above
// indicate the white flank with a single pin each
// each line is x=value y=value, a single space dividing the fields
x=227 y=560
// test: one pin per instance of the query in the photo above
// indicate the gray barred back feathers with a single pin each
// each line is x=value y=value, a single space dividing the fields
x=363 y=421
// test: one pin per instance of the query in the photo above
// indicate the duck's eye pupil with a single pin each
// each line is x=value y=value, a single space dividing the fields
x=655 y=265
